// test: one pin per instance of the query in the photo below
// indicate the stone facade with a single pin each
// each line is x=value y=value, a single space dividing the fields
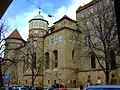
x=58 y=51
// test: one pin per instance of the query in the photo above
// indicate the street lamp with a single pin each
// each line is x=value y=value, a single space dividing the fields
x=1 y=79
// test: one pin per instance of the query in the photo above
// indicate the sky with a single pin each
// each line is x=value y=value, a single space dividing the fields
x=20 y=12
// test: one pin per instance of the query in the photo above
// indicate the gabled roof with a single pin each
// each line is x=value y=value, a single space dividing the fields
x=15 y=34
x=65 y=17
x=86 y=5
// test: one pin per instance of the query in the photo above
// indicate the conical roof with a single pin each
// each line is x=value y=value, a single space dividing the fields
x=15 y=34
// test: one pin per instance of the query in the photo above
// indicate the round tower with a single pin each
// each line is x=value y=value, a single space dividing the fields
x=13 y=42
x=38 y=26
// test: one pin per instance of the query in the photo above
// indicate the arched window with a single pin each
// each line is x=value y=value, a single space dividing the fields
x=93 y=63
x=56 y=58
x=73 y=51
x=47 y=60
x=25 y=81
x=54 y=81
x=74 y=83
x=48 y=81
x=112 y=59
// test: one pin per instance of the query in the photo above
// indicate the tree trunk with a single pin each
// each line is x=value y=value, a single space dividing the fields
x=32 y=77
x=107 y=76
x=107 y=72
x=16 y=75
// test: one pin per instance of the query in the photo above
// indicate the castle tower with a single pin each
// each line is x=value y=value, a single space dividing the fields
x=13 y=44
x=38 y=27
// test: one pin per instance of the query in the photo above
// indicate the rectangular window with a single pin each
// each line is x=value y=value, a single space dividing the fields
x=59 y=25
x=92 y=10
x=47 y=42
x=48 y=81
x=60 y=38
x=56 y=39
x=54 y=81
x=56 y=58
x=83 y=14
x=47 y=60
x=52 y=40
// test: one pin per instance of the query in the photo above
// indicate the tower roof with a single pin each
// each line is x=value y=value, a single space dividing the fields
x=65 y=17
x=38 y=17
x=15 y=34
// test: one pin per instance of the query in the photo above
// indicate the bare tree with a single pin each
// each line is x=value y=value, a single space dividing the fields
x=32 y=60
x=3 y=29
x=100 y=36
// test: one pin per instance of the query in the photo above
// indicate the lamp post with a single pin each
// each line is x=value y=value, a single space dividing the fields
x=1 y=79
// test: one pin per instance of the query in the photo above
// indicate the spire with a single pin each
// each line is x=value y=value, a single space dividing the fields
x=39 y=12
x=15 y=34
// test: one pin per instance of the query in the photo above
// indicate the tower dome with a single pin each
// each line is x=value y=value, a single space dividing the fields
x=38 y=17
x=38 y=26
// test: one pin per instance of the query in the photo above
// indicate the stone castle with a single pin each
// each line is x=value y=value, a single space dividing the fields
x=53 y=54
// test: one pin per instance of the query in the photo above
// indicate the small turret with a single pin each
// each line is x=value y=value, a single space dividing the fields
x=13 y=42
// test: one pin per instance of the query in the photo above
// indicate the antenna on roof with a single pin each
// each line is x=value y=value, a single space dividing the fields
x=39 y=11
x=49 y=15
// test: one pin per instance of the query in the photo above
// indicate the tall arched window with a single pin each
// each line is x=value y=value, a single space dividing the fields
x=112 y=59
x=74 y=83
x=47 y=60
x=93 y=63
x=56 y=58
x=73 y=51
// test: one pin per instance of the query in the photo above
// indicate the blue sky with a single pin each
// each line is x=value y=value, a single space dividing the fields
x=21 y=11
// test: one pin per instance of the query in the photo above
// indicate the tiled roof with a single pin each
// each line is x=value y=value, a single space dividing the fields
x=65 y=17
x=15 y=34
x=86 y=5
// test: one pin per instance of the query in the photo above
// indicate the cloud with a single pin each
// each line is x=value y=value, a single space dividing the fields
x=21 y=21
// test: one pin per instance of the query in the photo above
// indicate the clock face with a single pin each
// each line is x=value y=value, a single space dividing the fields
x=35 y=43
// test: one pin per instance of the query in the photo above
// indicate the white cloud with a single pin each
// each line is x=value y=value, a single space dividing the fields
x=21 y=21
